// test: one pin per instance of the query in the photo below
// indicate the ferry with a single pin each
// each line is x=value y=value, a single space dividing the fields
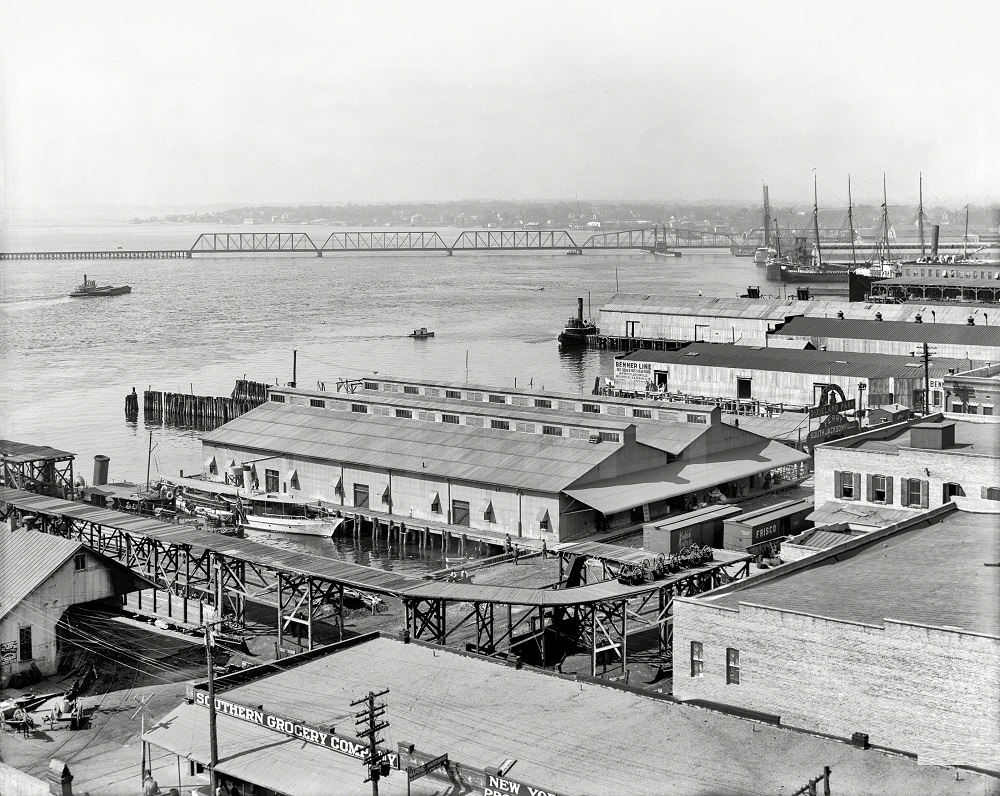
x=90 y=289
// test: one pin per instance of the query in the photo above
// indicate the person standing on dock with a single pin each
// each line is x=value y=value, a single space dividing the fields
x=507 y=545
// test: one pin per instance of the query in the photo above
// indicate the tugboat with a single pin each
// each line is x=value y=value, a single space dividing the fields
x=577 y=329
x=90 y=288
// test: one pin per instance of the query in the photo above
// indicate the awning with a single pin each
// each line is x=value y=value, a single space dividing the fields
x=435 y=500
x=487 y=507
x=338 y=482
x=859 y=515
x=681 y=478
x=258 y=755
x=292 y=476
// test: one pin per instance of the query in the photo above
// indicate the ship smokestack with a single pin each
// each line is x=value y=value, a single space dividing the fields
x=579 y=308
x=935 y=233
x=100 y=470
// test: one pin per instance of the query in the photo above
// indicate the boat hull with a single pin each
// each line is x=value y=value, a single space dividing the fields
x=301 y=526
x=101 y=292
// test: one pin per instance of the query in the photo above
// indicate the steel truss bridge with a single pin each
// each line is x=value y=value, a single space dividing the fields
x=655 y=238
x=226 y=572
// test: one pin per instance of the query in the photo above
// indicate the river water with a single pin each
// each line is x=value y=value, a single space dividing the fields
x=200 y=324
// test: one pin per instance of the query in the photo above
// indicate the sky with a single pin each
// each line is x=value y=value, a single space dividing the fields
x=197 y=104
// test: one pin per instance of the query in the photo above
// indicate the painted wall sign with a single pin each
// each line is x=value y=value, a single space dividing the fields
x=8 y=652
x=502 y=786
x=632 y=375
x=765 y=532
x=344 y=744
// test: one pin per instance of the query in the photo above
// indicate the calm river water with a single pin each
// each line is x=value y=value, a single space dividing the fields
x=67 y=364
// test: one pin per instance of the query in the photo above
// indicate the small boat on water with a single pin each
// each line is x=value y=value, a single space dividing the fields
x=421 y=333
x=304 y=526
x=577 y=330
x=90 y=289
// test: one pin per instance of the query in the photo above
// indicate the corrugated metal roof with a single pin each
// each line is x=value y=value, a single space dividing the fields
x=779 y=309
x=790 y=426
x=24 y=452
x=831 y=363
x=27 y=560
x=719 y=511
x=775 y=512
x=492 y=456
x=823 y=540
x=681 y=478
x=901 y=331
x=931 y=573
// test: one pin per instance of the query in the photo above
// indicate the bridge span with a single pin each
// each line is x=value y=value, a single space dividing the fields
x=656 y=238
x=227 y=572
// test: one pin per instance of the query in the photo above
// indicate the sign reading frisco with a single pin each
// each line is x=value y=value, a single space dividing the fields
x=343 y=744
x=632 y=375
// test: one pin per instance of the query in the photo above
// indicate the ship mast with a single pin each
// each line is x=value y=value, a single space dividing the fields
x=920 y=215
x=819 y=251
x=767 y=219
x=965 y=237
x=885 y=218
x=850 y=220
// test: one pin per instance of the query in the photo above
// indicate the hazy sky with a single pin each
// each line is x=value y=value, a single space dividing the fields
x=207 y=103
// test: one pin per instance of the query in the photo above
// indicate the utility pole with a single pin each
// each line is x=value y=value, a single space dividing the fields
x=213 y=738
x=927 y=381
x=295 y=368
x=369 y=718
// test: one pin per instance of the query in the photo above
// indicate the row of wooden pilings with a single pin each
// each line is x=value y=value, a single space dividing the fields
x=186 y=409
x=422 y=535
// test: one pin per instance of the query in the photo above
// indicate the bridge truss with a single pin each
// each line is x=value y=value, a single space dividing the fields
x=254 y=242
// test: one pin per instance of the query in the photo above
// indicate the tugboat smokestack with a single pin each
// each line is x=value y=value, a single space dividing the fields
x=579 y=308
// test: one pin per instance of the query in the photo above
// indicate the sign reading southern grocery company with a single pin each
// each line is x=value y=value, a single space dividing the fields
x=295 y=729
x=632 y=375
x=501 y=786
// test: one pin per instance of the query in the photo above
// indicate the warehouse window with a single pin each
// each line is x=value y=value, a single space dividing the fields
x=697 y=659
x=409 y=389
x=474 y=396
x=271 y=481
x=278 y=399
x=24 y=643
x=880 y=489
x=452 y=393
x=498 y=399
x=453 y=419
x=319 y=403
x=361 y=496
x=912 y=492
x=543 y=403
x=732 y=666
x=460 y=512
x=744 y=389
x=436 y=504
x=594 y=409
x=80 y=562
x=408 y=413
x=646 y=413
x=361 y=409
x=552 y=431
x=501 y=424
x=696 y=419
x=609 y=436
x=992 y=493
x=845 y=487
x=371 y=385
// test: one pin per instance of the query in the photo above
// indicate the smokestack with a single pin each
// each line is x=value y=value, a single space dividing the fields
x=579 y=308
x=100 y=470
x=935 y=233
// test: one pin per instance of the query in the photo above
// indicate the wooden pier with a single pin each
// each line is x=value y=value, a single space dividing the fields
x=114 y=254
x=206 y=411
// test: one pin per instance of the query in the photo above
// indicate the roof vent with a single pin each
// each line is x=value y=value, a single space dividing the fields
x=595 y=437
x=878 y=316
x=918 y=319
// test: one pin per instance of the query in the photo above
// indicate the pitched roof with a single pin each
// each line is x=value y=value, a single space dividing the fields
x=25 y=452
x=28 y=559
x=466 y=453
x=902 y=331
x=834 y=363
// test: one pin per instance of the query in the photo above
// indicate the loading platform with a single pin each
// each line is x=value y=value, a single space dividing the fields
x=226 y=572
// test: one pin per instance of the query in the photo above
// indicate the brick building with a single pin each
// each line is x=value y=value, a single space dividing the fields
x=894 y=634
x=889 y=473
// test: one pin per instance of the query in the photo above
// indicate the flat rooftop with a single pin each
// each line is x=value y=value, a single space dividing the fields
x=568 y=737
x=931 y=573
x=976 y=439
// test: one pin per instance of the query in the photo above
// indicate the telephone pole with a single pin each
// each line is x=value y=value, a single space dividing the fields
x=927 y=381
x=370 y=719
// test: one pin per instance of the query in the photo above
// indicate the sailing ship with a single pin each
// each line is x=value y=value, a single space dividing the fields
x=807 y=267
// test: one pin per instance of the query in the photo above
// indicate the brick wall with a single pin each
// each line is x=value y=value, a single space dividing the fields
x=937 y=468
x=928 y=691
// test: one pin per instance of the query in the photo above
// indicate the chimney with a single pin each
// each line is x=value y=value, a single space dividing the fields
x=60 y=780
x=935 y=233
x=937 y=436
x=579 y=308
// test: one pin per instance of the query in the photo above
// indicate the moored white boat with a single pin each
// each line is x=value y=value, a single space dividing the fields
x=305 y=526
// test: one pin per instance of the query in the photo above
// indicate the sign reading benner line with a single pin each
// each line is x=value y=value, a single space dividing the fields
x=343 y=744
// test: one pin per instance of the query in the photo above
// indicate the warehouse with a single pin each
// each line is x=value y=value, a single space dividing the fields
x=537 y=471
x=789 y=378
x=892 y=472
x=952 y=340
x=973 y=393
x=636 y=320
x=891 y=638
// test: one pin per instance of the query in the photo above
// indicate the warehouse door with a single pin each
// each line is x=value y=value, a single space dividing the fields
x=460 y=512
x=361 y=496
